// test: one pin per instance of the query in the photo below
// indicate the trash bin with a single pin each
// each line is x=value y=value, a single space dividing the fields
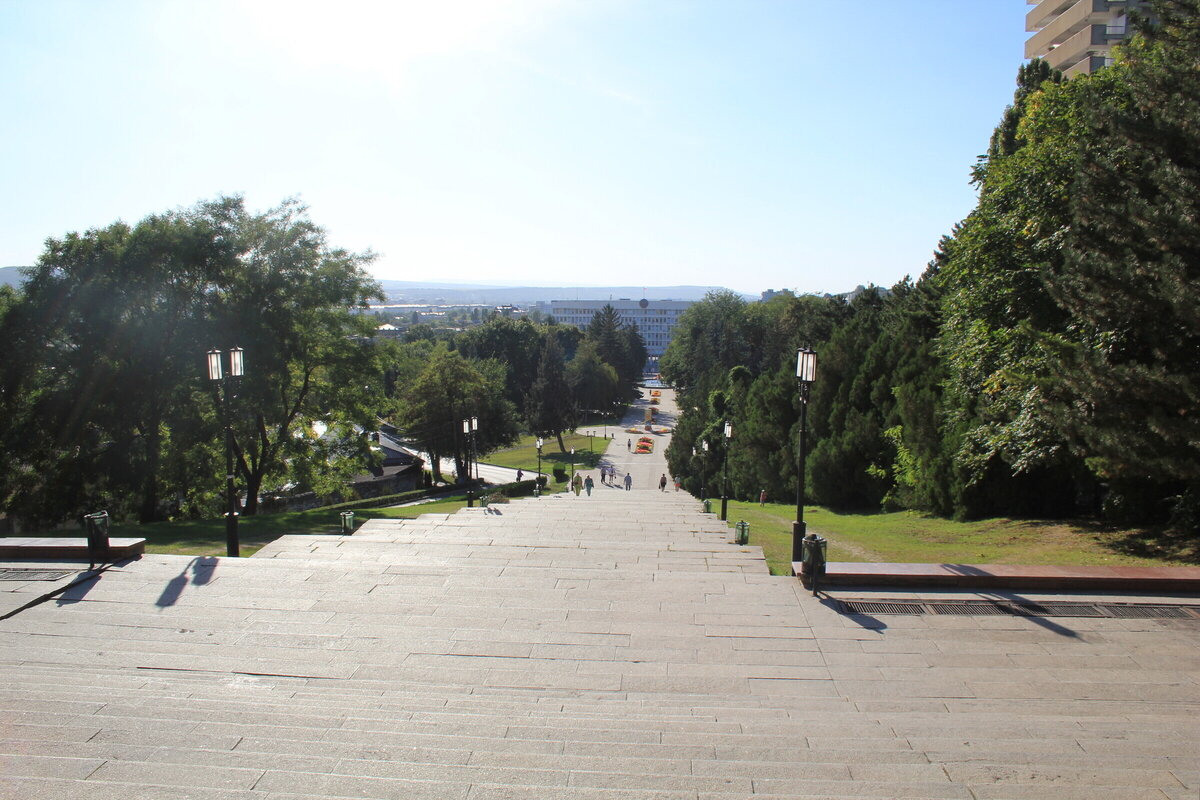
x=742 y=532
x=813 y=554
x=347 y=522
x=97 y=538
x=812 y=561
x=708 y=506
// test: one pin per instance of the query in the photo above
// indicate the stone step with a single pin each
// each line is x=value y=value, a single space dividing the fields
x=66 y=548
x=604 y=648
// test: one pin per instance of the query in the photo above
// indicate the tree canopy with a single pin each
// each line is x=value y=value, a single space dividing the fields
x=110 y=407
x=1045 y=362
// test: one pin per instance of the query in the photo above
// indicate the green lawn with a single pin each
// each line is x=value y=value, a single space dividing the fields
x=912 y=537
x=207 y=537
x=901 y=537
x=523 y=455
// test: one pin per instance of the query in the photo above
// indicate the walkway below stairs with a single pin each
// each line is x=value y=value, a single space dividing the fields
x=613 y=647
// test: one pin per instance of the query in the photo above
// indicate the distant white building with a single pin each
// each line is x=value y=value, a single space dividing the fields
x=655 y=319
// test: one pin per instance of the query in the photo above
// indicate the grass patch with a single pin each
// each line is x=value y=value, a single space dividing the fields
x=908 y=536
x=207 y=537
x=523 y=455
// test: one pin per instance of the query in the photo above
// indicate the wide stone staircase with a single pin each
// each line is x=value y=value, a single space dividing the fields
x=604 y=647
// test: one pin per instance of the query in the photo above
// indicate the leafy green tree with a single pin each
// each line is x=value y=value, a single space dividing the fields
x=996 y=421
x=549 y=407
x=286 y=301
x=125 y=307
x=593 y=381
x=449 y=390
x=708 y=340
x=515 y=343
x=103 y=312
x=1125 y=376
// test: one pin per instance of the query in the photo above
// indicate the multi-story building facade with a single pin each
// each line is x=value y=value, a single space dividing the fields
x=655 y=319
x=1077 y=36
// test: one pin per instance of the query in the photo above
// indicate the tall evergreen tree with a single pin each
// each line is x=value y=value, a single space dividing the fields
x=1127 y=374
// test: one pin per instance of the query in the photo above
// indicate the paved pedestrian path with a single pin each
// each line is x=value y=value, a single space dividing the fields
x=616 y=647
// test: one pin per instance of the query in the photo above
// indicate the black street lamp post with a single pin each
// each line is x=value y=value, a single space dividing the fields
x=725 y=473
x=537 y=483
x=469 y=427
x=806 y=373
x=475 y=445
x=228 y=381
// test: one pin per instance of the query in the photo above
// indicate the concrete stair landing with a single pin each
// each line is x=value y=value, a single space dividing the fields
x=616 y=647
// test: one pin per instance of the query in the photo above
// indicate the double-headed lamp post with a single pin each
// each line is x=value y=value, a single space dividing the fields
x=470 y=427
x=806 y=373
x=725 y=473
x=227 y=380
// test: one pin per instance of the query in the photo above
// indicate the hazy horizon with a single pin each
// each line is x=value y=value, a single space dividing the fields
x=738 y=144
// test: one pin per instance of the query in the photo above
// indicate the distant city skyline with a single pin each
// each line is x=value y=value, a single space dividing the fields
x=751 y=144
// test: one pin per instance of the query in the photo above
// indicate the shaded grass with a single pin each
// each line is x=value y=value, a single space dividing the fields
x=912 y=537
x=207 y=537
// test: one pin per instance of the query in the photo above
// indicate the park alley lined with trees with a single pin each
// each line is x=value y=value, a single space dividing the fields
x=1045 y=363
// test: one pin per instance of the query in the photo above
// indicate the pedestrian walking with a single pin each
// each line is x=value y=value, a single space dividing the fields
x=628 y=481
x=588 y=483
x=520 y=474
x=762 y=497
x=677 y=484
x=662 y=483
x=576 y=484
x=629 y=444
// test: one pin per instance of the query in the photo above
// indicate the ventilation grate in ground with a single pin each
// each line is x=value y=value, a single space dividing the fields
x=997 y=608
x=1057 y=610
x=11 y=574
x=871 y=607
x=1153 y=612
x=984 y=609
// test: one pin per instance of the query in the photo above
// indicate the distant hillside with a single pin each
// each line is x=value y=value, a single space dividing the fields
x=467 y=294
x=11 y=276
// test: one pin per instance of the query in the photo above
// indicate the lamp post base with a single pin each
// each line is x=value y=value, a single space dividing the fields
x=232 y=546
x=724 y=508
x=798 y=531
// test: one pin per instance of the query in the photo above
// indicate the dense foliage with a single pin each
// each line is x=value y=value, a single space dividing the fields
x=1048 y=359
x=105 y=403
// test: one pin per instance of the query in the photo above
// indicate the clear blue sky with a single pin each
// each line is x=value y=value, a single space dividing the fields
x=747 y=143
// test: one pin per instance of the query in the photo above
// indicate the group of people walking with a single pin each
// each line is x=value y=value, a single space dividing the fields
x=608 y=476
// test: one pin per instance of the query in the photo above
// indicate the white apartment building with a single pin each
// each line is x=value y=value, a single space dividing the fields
x=655 y=319
x=1077 y=36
